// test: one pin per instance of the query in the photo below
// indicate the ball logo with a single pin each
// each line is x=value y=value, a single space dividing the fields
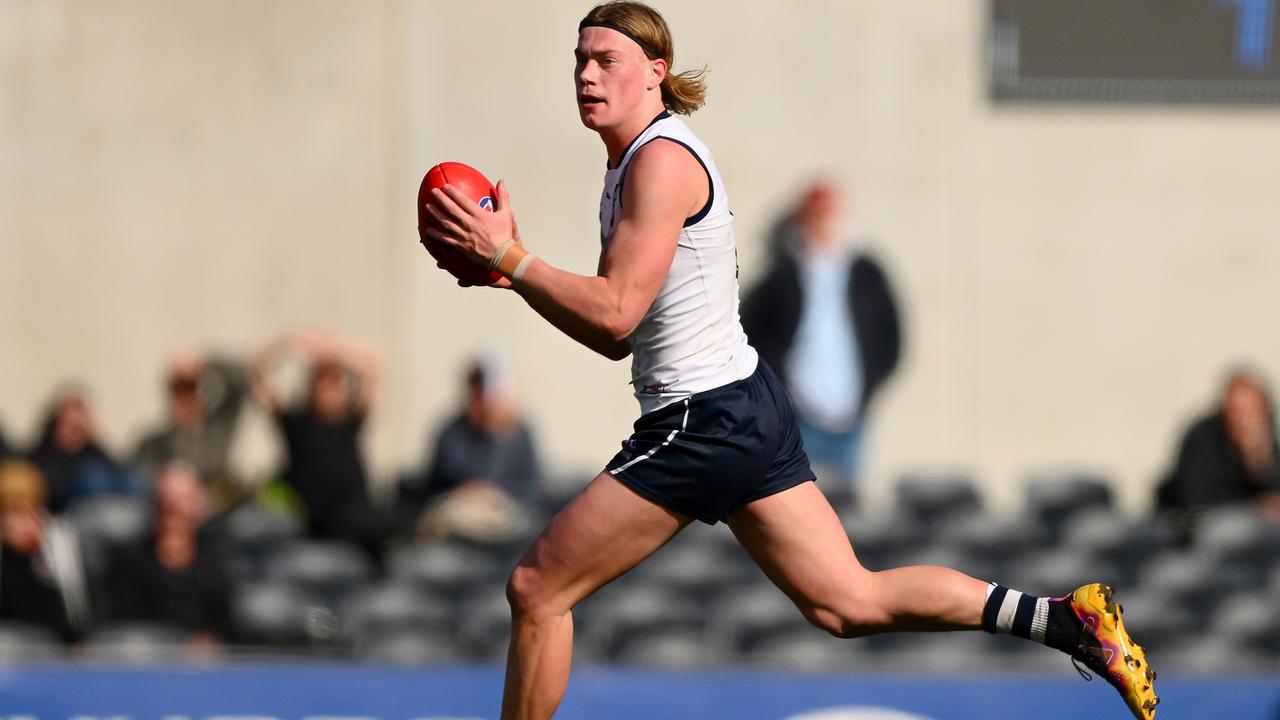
x=486 y=203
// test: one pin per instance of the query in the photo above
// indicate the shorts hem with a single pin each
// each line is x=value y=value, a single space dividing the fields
x=780 y=486
x=654 y=496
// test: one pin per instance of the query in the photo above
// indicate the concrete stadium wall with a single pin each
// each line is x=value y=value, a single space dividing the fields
x=1075 y=278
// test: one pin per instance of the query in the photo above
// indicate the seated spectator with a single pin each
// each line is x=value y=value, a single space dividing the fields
x=322 y=433
x=485 y=477
x=205 y=397
x=1228 y=456
x=70 y=457
x=176 y=576
x=41 y=576
x=5 y=451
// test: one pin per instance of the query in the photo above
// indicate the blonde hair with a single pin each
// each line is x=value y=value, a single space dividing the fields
x=21 y=486
x=682 y=93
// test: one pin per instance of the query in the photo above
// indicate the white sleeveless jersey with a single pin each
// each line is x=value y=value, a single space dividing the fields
x=690 y=340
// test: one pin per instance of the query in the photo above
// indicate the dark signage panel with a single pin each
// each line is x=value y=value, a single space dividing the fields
x=1135 y=50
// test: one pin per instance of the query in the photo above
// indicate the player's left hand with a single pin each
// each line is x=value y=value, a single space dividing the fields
x=462 y=224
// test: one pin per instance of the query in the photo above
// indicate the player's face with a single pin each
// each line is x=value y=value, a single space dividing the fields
x=612 y=76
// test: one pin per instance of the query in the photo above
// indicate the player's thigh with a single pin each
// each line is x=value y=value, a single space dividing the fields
x=601 y=534
x=797 y=540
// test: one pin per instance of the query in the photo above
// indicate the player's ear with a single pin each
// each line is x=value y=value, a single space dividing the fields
x=657 y=72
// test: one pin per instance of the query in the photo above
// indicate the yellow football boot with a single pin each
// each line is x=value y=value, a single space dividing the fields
x=1106 y=648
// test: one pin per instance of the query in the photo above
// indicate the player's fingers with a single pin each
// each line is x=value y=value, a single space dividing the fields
x=439 y=209
x=504 y=200
x=446 y=206
x=445 y=233
x=461 y=201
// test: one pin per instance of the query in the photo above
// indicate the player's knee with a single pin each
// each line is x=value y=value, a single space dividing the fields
x=524 y=590
x=854 y=613
x=839 y=623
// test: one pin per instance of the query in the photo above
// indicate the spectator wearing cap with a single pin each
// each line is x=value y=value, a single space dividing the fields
x=42 y=578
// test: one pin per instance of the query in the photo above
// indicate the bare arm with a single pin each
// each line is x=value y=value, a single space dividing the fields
x=665 y=184
x=261 y=368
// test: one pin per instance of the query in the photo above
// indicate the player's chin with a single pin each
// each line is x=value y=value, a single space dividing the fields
x=591 y=117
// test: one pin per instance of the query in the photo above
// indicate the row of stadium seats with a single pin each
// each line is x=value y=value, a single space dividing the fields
x=701 y=600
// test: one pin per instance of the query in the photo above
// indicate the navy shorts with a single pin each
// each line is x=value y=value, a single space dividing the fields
x=715 y=451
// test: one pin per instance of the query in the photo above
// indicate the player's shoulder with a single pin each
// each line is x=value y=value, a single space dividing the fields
x=664 y=156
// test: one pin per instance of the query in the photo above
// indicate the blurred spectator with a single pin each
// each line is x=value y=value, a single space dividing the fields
x=5 y=452
x=485 y=477
x=205 y=397
x=42 y=579
x=322 y=433
x=1228 y=456
x=70 y=457
x=177 y=575
x=824 y=318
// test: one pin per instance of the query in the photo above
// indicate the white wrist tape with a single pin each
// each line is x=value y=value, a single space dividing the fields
x=517 y=275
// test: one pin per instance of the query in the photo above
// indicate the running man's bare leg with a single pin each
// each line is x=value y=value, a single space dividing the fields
x=796 y=538
x=603 y=533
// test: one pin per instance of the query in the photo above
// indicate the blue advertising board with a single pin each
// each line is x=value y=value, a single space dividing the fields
x=345 y=691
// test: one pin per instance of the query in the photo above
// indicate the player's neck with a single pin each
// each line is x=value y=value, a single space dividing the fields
x=619 y=138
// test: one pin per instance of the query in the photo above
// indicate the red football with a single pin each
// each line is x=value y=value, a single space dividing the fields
x=474 y=185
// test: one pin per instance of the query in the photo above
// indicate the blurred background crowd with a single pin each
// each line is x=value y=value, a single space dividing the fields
x=168 y=550
x=1028 y=323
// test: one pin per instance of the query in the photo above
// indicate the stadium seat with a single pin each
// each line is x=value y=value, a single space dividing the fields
x=1183 y=580
x=23 y=643
x=1105 y=534
x=136 y=643
x=325 y=568
x=809 y=649
x=1059 y=571
x=392 y=608
x=695 y=568
x=280 y=614
x=621 y=613
x=674 y=649
x=446 y=567
x=949 y=652
x=407 y=648
x=1001 y=541
x=1251 y=623
x=252 y=532
x=880 y=539
x=743 y=619
x=1055 y=499
x=1239 y=537
x=484 y=623
x=1218 y=655
x=937 y=499
x=107 y=522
